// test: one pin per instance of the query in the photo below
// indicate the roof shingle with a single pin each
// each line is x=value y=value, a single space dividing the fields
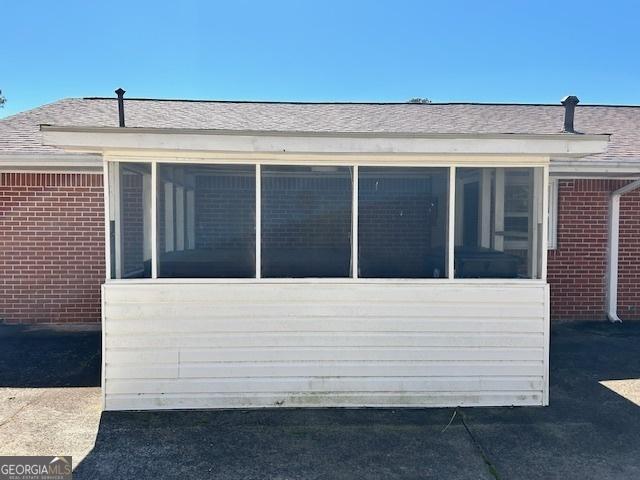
x=20 y=133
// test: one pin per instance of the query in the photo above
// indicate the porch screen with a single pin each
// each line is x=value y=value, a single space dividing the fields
x=130 y=219
x=206 y=221
x=402 y=222
x=306 y=221
x=498 y=223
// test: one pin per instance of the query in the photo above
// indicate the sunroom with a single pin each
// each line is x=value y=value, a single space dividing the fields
x=267 y=269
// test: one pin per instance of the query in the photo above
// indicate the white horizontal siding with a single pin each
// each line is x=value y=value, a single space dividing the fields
x=263 y=344
x=325 y=384
x=302 y=399
x=187 y=341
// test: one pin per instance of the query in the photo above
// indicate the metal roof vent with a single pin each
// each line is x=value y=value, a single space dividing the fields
x=569 y=103
x=120 y=92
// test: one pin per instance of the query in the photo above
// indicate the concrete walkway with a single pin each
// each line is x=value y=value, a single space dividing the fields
x=49 y=390
x=591 y=429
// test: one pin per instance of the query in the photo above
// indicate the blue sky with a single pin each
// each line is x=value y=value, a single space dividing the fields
x=501 y=51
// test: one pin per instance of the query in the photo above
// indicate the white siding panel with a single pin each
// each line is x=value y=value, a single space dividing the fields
x=357 y=369
x=188 y=341
x=326 y=384
x=322 y=324
x=398 y=291
x=242 y=311
x=137 y=356
x=262 y=344
x=358 y=354
x=140 y=371
x=366 y=399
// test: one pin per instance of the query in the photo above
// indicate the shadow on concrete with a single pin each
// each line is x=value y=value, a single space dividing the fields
x=283 y=444
x=587 y=432
x=49 y=357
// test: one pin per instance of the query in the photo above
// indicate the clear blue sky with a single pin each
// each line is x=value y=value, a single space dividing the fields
x=322 y=50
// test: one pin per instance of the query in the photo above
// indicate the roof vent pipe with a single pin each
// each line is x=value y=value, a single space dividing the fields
x=569 y=103
x=120 y=92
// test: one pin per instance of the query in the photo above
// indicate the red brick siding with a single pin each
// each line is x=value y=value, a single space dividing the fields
x=577 y=268
x=629 y=257
x=51 y=247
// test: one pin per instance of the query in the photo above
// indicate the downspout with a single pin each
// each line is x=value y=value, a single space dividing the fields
x=612 y=250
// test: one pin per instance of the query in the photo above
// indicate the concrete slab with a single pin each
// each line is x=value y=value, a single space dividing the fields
x=590 y=430
x=283 y=444
x=49 y=390
x=49 y=421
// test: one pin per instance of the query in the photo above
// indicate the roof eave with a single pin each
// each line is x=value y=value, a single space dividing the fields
x=51 y=162
x=104 y=139
x=567 y=167
x=320 y=133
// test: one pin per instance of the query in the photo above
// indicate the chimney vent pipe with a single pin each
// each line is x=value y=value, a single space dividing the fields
x=120 y=92
x=569 y=103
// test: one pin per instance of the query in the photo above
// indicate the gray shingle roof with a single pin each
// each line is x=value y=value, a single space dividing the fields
x=20 y=133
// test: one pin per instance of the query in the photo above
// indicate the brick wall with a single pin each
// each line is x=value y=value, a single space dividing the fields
x=51 y=247
x=629 y=257
x=577 y=268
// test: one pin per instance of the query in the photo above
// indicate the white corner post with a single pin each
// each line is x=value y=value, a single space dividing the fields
x=354 y=223
x=451 y=230
x=154 y=219
x=612 y=250
x=107 y=219
x=258 y=221
x=115 y=209
x=544 y=224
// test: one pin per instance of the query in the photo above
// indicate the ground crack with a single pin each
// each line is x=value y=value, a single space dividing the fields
x=485 y=458
x=28 y=404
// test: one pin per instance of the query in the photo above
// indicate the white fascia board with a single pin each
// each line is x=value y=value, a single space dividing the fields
x=51 y=162
x=609 y=168
x=106 y=139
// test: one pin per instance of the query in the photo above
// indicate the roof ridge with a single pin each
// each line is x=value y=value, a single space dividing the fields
x=296 y=102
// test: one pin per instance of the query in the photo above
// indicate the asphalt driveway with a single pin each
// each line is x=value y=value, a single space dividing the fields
x=50 y=405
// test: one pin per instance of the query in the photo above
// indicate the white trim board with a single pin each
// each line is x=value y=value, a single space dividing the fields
x=552 y=235
x=99 y=140
x=362 y=159
x=51 y=162
x=572 y=168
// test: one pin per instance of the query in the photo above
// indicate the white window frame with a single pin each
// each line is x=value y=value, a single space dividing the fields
x=552 y=240
x=451 y=165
